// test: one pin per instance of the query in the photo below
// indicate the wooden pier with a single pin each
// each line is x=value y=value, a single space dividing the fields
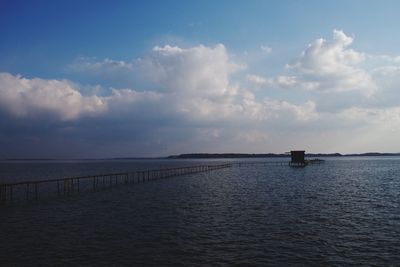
x=259 y=163
x=34 y=190
x=277 y=163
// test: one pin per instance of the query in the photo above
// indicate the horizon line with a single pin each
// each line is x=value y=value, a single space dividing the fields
x=260 y=155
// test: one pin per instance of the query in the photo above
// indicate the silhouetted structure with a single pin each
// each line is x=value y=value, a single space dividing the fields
x=32 y=190
x=297 y=158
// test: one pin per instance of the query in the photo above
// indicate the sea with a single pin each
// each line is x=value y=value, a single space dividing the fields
x=344 y=212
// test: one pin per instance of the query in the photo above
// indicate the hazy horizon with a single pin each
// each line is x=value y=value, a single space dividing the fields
x=194 y=153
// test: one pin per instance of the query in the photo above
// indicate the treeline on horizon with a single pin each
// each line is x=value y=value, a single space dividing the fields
x=215 y=156
x=272 y=155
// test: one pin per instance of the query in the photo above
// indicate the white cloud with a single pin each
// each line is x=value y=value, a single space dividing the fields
x=26 y=97
x=62 y=99
x=258 y=80
x=266 y=49
x=90 y=65
x=284 y=109
x=326 y=57
x=197 y=71
x=281 y=81
x=197 y=82
x=332 y=66
x=126 y=96
x=325 y=66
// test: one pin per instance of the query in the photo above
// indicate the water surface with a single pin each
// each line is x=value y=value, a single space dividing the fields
x=343 y=212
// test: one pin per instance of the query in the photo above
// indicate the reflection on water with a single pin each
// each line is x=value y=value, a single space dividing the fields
x=343 y=212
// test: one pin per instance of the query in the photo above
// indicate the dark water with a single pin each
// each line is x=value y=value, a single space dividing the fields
x=342 y=213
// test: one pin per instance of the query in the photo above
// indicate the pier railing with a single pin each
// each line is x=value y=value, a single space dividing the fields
x=35 y=190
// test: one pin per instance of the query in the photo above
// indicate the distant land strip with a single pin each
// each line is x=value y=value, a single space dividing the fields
x=271 y=155
x=211 y=156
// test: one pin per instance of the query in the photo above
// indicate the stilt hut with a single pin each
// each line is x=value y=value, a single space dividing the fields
x=297 y=158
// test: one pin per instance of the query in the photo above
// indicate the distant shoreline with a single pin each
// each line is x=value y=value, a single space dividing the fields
x=272 y=155
x=216 y=156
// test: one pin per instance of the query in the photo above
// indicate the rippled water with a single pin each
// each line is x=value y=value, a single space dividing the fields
x=343 y=212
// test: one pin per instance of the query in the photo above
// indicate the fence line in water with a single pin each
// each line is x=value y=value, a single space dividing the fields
x=277 y=163
x=34 y=190
x=263 y=163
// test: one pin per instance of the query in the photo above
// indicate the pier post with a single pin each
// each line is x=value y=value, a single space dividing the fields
x=11 y=193
x=1 y=194
x=4 y=194
x=27 y=191
x=36 y=192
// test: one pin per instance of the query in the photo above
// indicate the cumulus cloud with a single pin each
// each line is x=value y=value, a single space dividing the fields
x=28 y=97
x=63 y=100
x=196 y=71
x=325 y=66
x=332 y=66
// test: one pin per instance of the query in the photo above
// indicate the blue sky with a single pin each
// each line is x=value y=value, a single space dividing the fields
x=153 y=78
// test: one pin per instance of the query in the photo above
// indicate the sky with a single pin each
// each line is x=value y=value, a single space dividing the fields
x=100 y=79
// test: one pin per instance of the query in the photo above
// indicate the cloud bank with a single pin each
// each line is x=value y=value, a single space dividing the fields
x=201 y=99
